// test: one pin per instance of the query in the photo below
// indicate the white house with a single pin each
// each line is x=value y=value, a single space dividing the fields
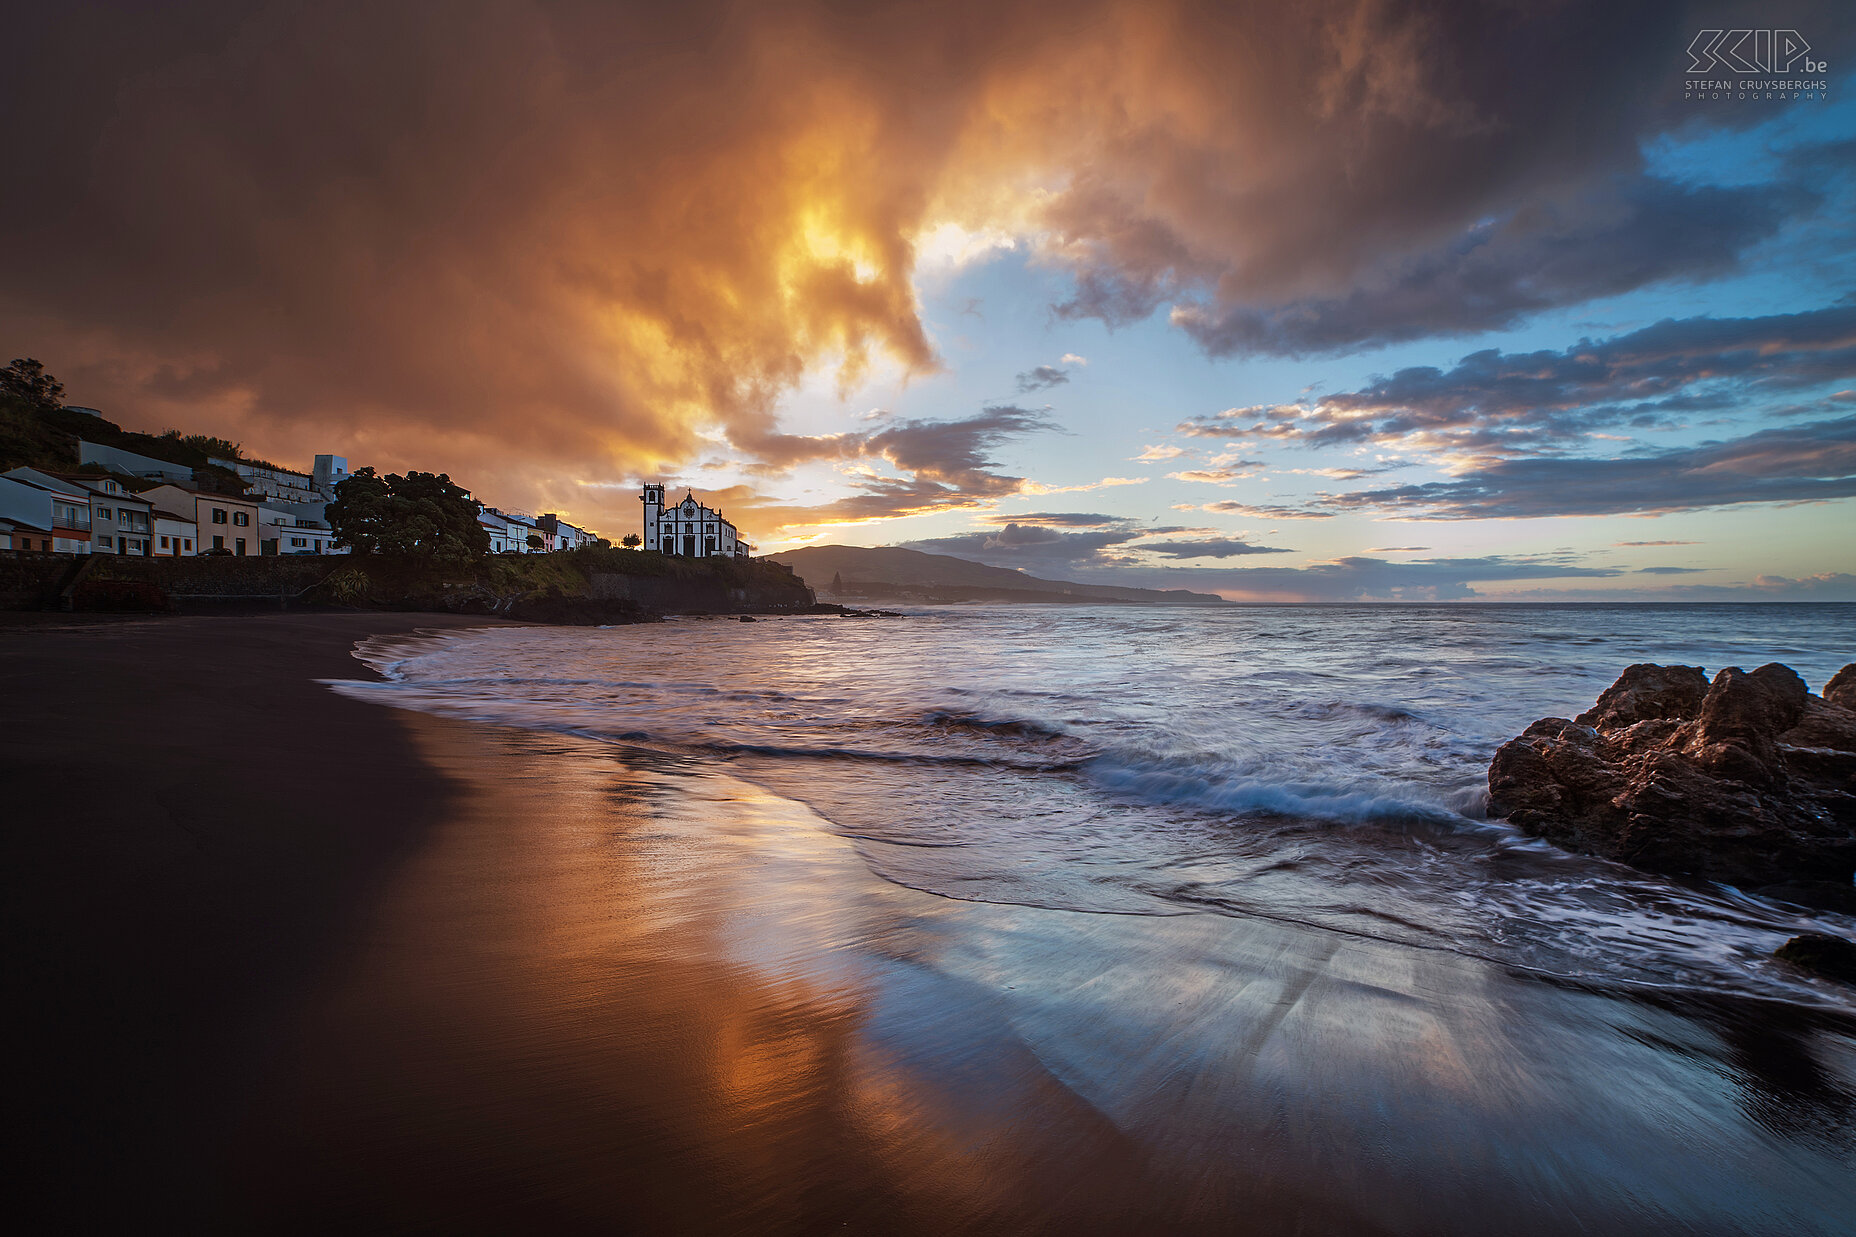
x=120 y=521
x=508 y=535
x=130 y=463
x=295 y=528
x=286 y=485
x=688 y=529
x=44 y=501
x=28 y=507
x=224 y=522
x=328 y=472
x=174 y=536
x=558 y=534
x=281 y=484
x=510 y=530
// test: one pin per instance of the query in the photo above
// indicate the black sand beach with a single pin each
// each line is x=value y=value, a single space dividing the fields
x=192 y=824
x=393 y=972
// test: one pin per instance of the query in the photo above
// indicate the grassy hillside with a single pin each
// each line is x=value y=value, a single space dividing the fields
x=47 y=438
x=891 y=572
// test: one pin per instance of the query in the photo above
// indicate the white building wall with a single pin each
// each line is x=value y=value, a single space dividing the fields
x=117 y=460
x=26 y=503
x=174 y=538
x=687 y=529
x=278 y=483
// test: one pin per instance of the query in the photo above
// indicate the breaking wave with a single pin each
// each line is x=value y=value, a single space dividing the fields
x=1307 y=764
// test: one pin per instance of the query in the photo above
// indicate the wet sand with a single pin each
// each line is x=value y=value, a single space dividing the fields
x=527 y=981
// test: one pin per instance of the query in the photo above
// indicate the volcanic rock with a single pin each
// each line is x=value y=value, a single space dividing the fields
x=1830 y=956
x=1749 y=779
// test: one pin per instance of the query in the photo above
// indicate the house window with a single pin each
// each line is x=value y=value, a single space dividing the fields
x=241 y=546
x=241 y=518
x=103 y=513
x=105 y=543
x=164 y=543
x=299 y=541
x=186 y=543
x=219 y=515
x=219 y=543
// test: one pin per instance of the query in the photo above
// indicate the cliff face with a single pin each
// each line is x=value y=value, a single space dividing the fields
x=1749 y=779
x=587 y=586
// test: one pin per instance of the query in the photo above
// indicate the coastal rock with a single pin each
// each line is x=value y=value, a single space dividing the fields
x=1841 y=690
x=1829 y=956
x=1749 y=779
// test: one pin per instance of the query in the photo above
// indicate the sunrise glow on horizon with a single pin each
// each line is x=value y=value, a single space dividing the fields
x=1325 y=302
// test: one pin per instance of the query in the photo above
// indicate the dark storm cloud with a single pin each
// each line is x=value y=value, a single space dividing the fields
x=1470 y=182
x=956 y=452
x=949 y=465
x=1498 y=403
x=541 y=242
x=1614 y=240
x=1265 y=511
x=1210 y=547
x=1061 y=519
x=1030 y=546
x=1354 y=578
x=1806 y=463
x=1042 y=378
x=1826 y=586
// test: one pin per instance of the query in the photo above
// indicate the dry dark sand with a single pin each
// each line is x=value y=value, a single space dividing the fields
x=336 y=968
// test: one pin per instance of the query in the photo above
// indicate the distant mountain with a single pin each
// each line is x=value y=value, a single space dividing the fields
x=888 y=573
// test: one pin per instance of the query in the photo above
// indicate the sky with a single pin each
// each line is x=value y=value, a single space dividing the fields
x=1342 y=300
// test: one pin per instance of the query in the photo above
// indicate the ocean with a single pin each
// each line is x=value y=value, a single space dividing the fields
x=1317 y=766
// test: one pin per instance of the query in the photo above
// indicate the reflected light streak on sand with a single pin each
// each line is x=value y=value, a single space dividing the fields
x=625 y=990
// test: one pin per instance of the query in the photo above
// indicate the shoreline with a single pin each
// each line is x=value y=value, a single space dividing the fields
x=400 y=971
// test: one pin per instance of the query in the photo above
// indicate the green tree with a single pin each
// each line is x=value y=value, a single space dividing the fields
x=418 y=514
x=630 y=541
x=25 y=381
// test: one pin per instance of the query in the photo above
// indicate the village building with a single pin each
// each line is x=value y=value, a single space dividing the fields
x=130 y=463
x=173 y=536
x=511 y=532
x=558 y=534
x=44 y=520
x=285 y=485
x=225 y=523
x=281 y=484
x=504 y=536
x=48 y=501
x=120 y=521
x=688 y=529
x=295 y=528
x=24 y=538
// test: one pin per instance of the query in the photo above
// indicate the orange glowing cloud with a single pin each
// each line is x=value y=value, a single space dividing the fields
x=544 y=244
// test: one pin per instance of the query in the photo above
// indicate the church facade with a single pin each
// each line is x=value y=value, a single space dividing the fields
x=688 y=529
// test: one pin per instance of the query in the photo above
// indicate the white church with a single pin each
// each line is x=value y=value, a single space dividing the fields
x=688 y=529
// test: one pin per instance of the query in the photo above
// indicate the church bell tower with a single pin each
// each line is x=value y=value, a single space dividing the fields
x=653 y=498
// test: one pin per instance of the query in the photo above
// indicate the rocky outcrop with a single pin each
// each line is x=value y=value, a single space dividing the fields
x=1748 y=779
x=1829 y=956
